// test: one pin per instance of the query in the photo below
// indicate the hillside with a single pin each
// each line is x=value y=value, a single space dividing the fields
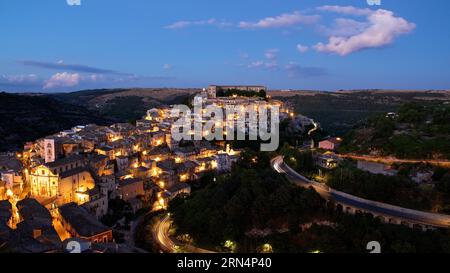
x=28 y=117
x=416 y=131
x=253 y=207
x=126 y=104
x=337 y=112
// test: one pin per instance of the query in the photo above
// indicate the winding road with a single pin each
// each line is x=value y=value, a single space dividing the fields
x=387 y=211
x=161 y=235
x=316 y=127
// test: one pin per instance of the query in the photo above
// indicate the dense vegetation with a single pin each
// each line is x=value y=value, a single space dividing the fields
x=143 y=236
x=29 y=117
x=124 y=105
x=395 y=190
x=301 y=161
x=240 y=93
x=253 y=197
x=352 y=233
x=127 y=108
x=418 y=131
x=339 y=112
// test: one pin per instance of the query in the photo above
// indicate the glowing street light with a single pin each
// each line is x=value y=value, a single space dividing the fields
x=266 y=248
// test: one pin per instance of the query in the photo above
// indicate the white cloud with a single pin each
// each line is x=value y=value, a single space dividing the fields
x=345 y=27
x=270 y=61
x=167 y=66
x=19 y=79
x=348 y=10
x=209 y=22
x=96 y=78
x=271 y=65
x=283 y=20
x=20 y=82
x=263 y=64
x=302 y=49
x=256 y=64
x=271 y=53
x=179 y=24
x=62 y=80
x=381 y=29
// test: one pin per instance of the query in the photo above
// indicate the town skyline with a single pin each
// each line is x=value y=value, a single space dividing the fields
x=316 y=45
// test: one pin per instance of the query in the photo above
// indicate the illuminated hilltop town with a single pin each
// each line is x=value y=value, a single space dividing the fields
x=60 y=186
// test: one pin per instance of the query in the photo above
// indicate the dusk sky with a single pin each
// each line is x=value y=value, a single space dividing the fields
x=50 y=46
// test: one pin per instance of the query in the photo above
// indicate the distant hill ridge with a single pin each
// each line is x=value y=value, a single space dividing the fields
x=28 y=117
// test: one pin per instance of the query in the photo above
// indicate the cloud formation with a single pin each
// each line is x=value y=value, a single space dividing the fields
x=209 y=22
x=296 y=70
x=270 y=61
x=60 y=65
x=345 y=27
x=64 y=79
x=348 y=10
x=271 y=53
x=19 y=79
x=291 y=69
x=255 y=64
x=20 y=82
x=302 y=49
x=378 y=28
x=381 y=29
x=283 y=20
x=263 y=64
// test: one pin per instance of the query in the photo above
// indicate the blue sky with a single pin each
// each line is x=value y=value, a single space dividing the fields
x=50 y=46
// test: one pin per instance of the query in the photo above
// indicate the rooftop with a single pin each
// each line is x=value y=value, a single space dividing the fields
x=5 y=211
x=64 y=161
x=30 y=209
x=334 y=140
x=177 y=187
x=73 y=172
x=85 y=224
x=130 y=181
